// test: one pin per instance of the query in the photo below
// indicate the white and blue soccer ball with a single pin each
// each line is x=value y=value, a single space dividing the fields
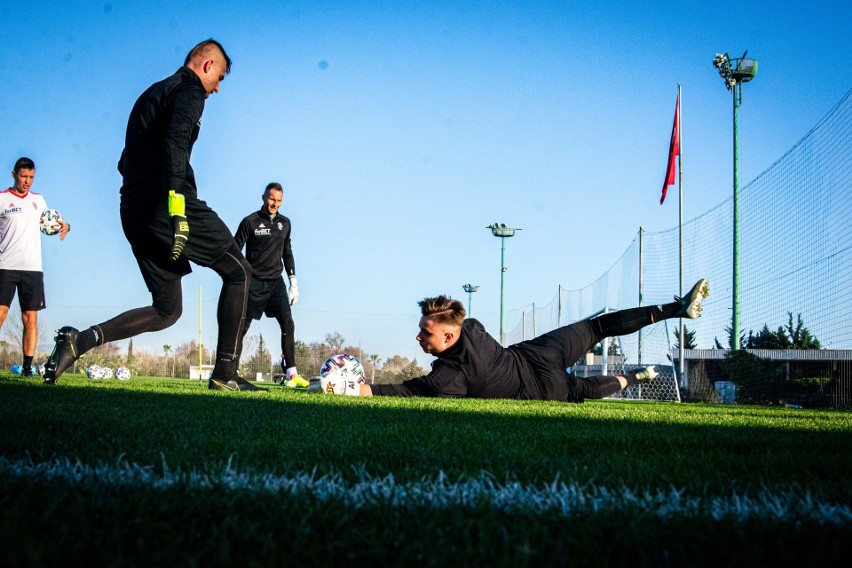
x=122 y=373
x=93 y=372
x=106 y=373
x=50 y=222
x=346 y=365
x=341 y=374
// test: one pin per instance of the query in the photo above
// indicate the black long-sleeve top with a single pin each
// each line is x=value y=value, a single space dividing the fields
x=267 y=242
x=162 y=128
x=476 y=366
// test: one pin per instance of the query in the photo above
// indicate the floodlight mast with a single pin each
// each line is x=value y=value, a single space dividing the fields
x=735 y=72
x=503 y=231
x=470 y=289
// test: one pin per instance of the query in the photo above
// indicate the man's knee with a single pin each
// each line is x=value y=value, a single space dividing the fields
x=169 y=307
x=29 y=319
x=233 y=267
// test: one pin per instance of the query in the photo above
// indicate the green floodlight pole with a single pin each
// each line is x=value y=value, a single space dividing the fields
x=502 y=231
x=735 y=72
x=470 y=289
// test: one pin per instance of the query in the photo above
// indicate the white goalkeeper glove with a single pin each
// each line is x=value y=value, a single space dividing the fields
x=336 y=382
x=293 y=292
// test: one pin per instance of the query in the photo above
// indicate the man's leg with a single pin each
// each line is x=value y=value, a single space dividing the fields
x=604 y=386
x=625 y=322
x=564 y=346
x=230 y=314
x=279 y=308
x=30 y=321
x=164 y=311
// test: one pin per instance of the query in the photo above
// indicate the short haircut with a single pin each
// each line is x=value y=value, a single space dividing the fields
x=273 y=185
x=443 y=310
x=204 y=48
x=24 y=163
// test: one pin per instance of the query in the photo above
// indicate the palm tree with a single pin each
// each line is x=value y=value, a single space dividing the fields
x=374 y=359
x=166 y=349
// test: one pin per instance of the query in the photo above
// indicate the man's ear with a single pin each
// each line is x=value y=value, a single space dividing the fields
x=207 y=65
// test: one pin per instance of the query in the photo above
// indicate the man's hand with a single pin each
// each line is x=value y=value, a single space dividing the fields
x=180 y=225
x=293 y=292
x=65 y=227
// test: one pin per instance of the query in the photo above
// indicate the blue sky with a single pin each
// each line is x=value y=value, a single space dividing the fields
x=399 y=130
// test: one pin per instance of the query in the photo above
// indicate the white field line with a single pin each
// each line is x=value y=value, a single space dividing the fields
x=566 y=499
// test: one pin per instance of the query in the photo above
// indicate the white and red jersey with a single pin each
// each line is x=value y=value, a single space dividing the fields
x=20 y=237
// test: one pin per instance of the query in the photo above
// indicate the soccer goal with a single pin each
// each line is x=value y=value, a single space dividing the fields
x=620 y=355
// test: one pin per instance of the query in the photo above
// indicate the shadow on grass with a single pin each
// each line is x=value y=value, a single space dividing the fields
x=286 y=432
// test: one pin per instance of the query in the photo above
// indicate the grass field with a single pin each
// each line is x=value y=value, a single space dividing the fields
x=162 y=472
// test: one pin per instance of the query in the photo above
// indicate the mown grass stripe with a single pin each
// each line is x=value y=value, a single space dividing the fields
x=566 y=499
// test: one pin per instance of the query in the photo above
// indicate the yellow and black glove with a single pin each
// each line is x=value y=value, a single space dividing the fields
x=180 y=226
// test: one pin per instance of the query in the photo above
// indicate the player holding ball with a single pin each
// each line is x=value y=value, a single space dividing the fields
x=23 y=217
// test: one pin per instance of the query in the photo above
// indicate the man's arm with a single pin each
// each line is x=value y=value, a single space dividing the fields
x=444 y=381
x=243 y=233
x=185 y=111
x=287 y=257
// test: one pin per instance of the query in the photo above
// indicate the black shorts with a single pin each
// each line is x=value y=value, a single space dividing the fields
x=550 y=354
x=29 y=285
x=267 y=297
x=148 y=230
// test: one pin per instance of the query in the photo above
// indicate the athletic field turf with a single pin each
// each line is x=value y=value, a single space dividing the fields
x=163 y=472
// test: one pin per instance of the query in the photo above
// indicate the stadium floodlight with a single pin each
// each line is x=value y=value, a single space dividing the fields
x=735 y=72
x=470 y=289
x=503 y=231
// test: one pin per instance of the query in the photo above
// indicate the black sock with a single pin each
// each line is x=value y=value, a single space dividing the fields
x=88 y=340
x=225 y=367
x=28 y=363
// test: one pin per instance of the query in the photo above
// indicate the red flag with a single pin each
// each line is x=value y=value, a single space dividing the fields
x=674 y=150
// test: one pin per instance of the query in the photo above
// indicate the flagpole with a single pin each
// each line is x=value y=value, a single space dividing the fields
x=683 y=380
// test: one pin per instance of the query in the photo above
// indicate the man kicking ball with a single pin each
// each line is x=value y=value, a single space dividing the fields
x=472 y=364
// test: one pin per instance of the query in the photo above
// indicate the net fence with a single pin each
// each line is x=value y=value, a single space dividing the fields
x=795 y=252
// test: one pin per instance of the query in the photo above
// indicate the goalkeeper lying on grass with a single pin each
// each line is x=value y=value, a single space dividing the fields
x=470 y=363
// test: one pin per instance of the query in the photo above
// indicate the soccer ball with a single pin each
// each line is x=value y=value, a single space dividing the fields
x=122 y=373
x=344 y=363
x=342 y=374
x=93 y=372
x=50 y=222
x=106 y=373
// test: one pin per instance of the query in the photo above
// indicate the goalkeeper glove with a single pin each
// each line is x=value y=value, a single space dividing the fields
x=293 y=293
x=180 y=225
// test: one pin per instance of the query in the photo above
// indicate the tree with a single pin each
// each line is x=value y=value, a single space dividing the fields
x=130 y=352
x=374 y=359
x=261 y=360
x=335 y=341
x=611 y=350
x=792 y=337
x=689 y=337
x=730 y=333
x=766 y=339
x=800 y=336
x=166 y=349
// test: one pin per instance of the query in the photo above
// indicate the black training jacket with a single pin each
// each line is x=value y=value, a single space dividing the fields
x=161 y=130
x=477 y=366
x=267 y=242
